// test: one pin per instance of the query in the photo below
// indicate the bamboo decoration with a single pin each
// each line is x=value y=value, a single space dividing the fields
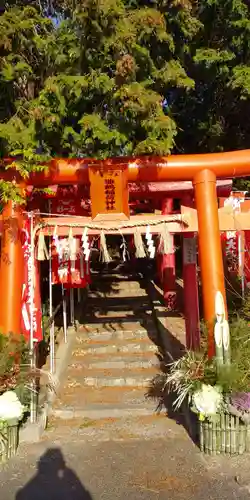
x=218 y=344
x=226 y=343
x=8 y=440
x=228 y=434
x=221 y=332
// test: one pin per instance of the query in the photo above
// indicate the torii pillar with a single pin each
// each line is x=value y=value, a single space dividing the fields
x=190 y=285
x=210 y=250
x=11 y=270
x=167 y=264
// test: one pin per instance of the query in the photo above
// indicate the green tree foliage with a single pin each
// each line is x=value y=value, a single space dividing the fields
x=215 y=115
x=94 y=84
x=121 y=77
x=24 y=66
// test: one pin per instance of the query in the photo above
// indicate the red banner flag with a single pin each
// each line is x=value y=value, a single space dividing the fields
x=232 y=240
x=247 y=259
x=31 y=299
x=231 y=245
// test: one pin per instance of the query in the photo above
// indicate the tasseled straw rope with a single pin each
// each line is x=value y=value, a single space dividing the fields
x=165 y=247
x=104 y=250
x=139 y=246
x=183 y=219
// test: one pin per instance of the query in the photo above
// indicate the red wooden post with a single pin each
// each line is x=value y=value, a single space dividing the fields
x=167 y=265
x=190 y=291
x=11 y=270
x=210 y=251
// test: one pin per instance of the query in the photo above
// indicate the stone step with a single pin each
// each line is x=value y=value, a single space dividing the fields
x=114 y=378
x=110 y=314
x=114 y=285
x=137 y=427
x=114 y=363
x=114 y=276
x=120 y=323
x=107 y=336
x=113 y=360
x=75 y=397
x=128 y=300
x=111 y=326
x=132 y=346
x=115 y=294
x=117 y=280
x=116 y=381
x=107 y=283
x=103 y=410
x=120 y=308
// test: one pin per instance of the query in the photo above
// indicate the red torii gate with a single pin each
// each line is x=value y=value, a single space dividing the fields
x=203 y=170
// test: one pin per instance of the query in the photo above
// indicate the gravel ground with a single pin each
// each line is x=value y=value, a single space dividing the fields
x=135 y=469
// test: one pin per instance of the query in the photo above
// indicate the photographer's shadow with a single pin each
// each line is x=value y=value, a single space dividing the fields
x=53 y=481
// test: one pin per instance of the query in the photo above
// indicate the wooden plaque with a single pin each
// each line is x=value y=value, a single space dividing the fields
x=189 y=251
x=109 y=192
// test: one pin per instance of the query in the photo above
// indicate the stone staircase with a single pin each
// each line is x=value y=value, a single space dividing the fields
x=114 y=356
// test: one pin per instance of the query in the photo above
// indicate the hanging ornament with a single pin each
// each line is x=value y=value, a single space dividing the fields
x=166 y=242
x=85 y=244
x=63 y=251
x=123 y=247
x=42 y=252
x=57 y=243
x=139 y=246
x=150 y=243
x=59 y=259
x=104 y=250
x=63 y=259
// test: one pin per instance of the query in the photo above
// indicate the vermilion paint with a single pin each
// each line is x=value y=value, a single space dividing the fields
x=167 y=265
x=202 y=169
x=190 y=286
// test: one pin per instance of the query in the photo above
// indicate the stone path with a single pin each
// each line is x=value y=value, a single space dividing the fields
x=170 y=468
x=104 y=440
x=113 y=360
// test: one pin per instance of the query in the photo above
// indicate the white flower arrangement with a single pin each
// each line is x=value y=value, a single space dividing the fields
x=10 y=407
x=207 y=401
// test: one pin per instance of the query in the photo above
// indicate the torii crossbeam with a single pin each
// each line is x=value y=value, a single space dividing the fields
x=108 y=181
